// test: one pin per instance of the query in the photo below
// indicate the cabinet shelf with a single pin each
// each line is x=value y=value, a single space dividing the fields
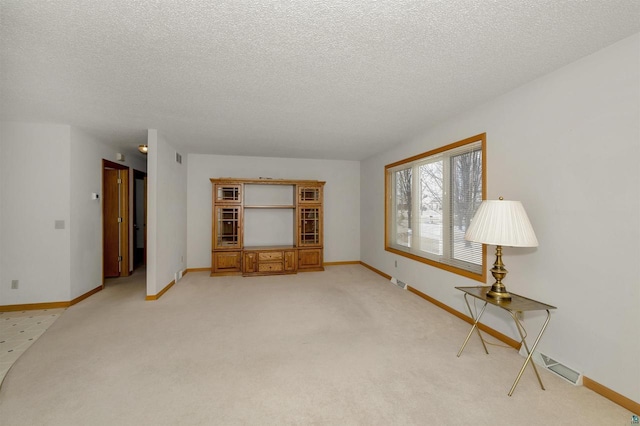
x=271 y=207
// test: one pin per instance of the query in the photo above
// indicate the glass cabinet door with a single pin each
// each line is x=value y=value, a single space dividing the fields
x=227 y=227
x=309 y=224
x=228 y=193
x=309 y=194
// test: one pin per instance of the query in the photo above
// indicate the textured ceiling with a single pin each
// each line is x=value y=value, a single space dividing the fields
x=308 y=78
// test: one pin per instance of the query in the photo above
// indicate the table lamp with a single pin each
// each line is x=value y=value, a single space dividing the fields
x=501 y=223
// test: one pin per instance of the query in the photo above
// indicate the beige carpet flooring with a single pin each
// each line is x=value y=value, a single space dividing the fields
x=340 y=347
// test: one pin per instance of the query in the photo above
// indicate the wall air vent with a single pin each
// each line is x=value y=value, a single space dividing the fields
x=568 y=374
x=398 y=283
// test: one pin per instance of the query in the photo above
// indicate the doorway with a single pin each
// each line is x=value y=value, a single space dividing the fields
x=115 y=220
x=139 y=219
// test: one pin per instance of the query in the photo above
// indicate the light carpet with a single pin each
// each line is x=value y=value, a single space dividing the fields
x=339 y=347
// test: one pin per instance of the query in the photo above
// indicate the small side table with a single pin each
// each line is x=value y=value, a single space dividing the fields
x=515 y=305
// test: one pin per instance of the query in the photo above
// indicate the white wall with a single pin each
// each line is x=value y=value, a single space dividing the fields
x=166 y=213
x=87 y=153
x=48 y=173
x=568 y=146
x=341 y=199
x=34 y=187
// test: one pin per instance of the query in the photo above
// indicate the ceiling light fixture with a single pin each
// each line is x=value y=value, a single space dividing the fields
x=143 y=149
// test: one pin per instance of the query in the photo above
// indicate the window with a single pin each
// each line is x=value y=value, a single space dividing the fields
x=430 y=200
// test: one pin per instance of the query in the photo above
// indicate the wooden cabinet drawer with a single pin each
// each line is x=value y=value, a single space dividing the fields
x=270 y=256
x=271 y=260
x=270 y=267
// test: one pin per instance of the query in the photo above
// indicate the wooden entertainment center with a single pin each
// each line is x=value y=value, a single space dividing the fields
x=266 y=226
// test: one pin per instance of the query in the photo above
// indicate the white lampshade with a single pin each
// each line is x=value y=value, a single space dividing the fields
x=501 y=223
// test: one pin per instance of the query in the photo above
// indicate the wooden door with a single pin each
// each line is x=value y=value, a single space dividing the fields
x=227 y=227
x=227 y=193
x=309 y=226
x=290 y=261
x=250 y=262
x=310 y=259
x=227 y=261
x=115 y=219
x=111 y=208
x=309 y=194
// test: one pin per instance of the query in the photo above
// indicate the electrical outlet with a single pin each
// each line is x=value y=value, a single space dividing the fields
x=15 y=284
x=396 y=263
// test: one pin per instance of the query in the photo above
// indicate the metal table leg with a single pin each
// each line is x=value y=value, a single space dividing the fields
x=523 y=334
x=473 y=327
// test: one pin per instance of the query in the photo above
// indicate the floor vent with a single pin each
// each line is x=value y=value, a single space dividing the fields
x=570 y=375
x=398 y=283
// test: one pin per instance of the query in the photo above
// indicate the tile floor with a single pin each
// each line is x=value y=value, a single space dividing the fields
x=18 y=331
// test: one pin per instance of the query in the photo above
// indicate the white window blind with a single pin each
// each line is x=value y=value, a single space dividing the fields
x=432 y=198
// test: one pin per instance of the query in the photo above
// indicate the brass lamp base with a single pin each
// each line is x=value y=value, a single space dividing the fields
x=498 y=290
x=500 y=294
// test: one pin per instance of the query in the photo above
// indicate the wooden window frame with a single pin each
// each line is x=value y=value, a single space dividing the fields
x=389 y=193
